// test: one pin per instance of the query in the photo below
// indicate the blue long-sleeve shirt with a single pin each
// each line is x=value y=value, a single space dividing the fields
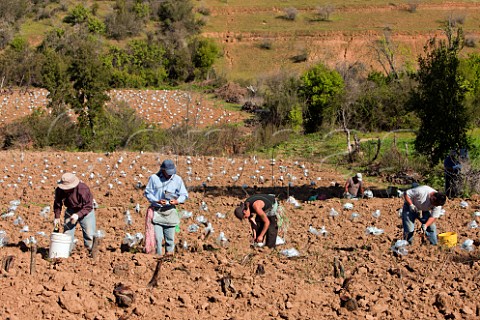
x=159 y=187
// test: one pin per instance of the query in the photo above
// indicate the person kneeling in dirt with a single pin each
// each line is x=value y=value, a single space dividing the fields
x=425 y=204
x=164 y=190
x=78 y=200
x=353 y=187
x=264 y=224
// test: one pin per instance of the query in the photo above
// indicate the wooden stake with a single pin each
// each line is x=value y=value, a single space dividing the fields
x=7 y=262
x=33 y=252
x=156 y=274
x=95 y=246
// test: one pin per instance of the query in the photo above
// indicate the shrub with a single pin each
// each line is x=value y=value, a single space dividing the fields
x=266 y=44
x=302 y=57
x=324 y=12
x=231 y=92
x=204 y=11
x=291 y=13
x=79 y=14
x=470 y=42
x=412 y=6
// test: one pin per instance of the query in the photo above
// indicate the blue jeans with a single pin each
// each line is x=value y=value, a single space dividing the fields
x=88 y=224
x=169 y=233
x=408 y=220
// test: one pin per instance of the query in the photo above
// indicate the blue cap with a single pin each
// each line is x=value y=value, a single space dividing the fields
x=169 y=167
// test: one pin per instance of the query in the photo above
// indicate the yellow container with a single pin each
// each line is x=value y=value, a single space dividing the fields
x=447 y=239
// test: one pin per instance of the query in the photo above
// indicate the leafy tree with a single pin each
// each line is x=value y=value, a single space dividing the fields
x=439 y=100
x=319 y=86
x=470 y=71
x=140 y=64
x=78 y=15
x=178 y=15
x=127 y=20
x=89 y=77
x=178 y=26
x=18 y=64
x=205 y=51
x=282 y=101
x=55 y=79
x=95 y=25
x=381 y=104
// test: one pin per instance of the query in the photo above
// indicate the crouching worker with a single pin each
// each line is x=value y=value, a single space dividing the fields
x=165 y=190
x=261 y=212
x=425 y=204
x=353 y=187
x=78 y=200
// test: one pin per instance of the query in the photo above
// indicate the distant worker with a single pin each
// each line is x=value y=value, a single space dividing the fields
x=78 y=200
x=452 y=170
x=425 y=204
x=261 y=212
x=165 y=190
x=354 y=187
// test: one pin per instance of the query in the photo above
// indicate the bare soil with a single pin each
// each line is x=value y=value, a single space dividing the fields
x=207 y=280
x=166 y=108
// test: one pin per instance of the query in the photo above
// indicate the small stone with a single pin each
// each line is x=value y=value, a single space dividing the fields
x=466 y=310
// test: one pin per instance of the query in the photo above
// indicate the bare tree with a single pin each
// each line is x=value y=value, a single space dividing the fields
x=386 y=52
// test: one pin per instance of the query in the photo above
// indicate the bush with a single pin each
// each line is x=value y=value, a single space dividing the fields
x=412 y=6
x=302 y=57
x=291 y=13
x=324 y=12
x=266 y=44
x=15 y=136
x=203 y=11
x=231 y=92
x=470 y=42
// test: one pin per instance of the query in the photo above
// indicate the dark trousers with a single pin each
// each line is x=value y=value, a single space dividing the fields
x=272 y=231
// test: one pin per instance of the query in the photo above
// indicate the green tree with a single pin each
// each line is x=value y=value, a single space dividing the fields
x=56 y=80
x=282 y=101
x=205 y=51
x=79 y=14
x=18 y=64
x=89 y=77
x=439 y=99
x=470 y=71
x=319 y=87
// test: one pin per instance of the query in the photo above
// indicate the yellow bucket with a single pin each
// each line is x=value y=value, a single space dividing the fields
x=447 y=239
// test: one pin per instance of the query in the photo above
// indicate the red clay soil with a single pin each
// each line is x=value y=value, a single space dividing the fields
x=208 y=281
x=166 y=108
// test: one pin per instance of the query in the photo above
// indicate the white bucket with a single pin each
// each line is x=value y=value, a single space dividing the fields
x=60 y=245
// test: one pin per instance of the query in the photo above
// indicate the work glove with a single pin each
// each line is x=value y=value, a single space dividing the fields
x=56 y=222
x=413 y=208
x=73 y=218
x=424 y=228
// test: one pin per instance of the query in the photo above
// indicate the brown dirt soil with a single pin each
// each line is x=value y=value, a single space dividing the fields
x=167 y=108
x=222 y=283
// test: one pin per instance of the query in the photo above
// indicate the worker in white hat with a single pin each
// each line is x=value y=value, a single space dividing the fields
x=354 y=187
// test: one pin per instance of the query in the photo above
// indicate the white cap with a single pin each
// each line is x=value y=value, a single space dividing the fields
x=359 y=176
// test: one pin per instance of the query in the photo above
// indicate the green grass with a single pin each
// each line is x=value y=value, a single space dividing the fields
x=312 y=4
x=306 y=23
x=329 y=147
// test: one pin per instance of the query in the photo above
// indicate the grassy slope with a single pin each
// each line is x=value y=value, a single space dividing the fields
x=240 y=27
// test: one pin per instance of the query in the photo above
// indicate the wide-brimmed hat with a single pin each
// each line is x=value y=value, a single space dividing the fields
x=169 y=167
x=359 y=176
x=68 y=181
